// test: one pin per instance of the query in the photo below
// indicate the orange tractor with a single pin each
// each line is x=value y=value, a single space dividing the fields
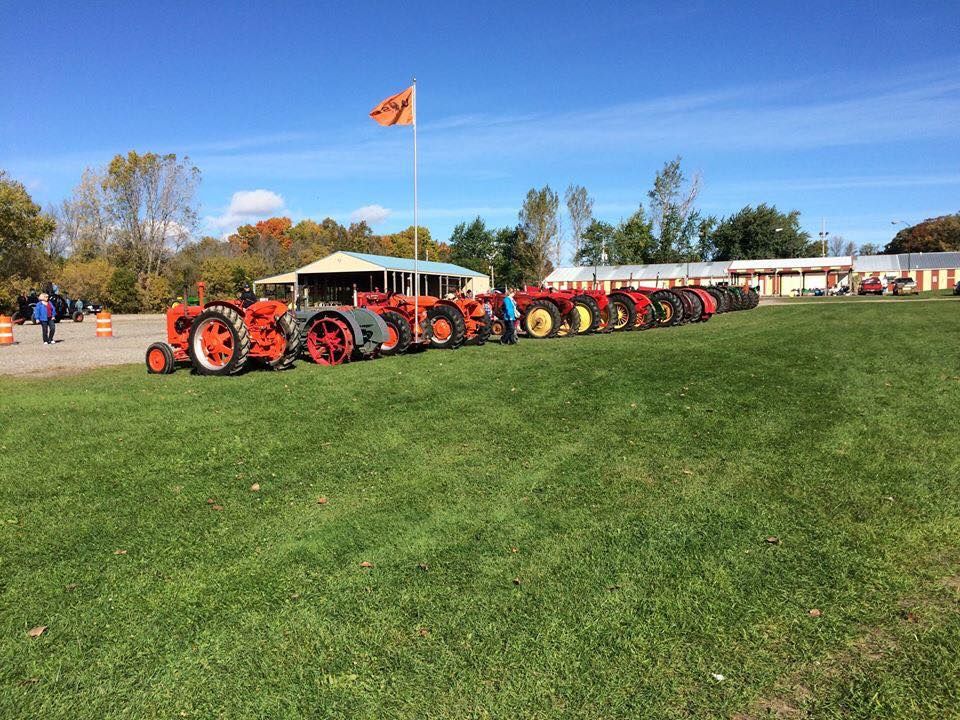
x=222 y=337
x=440 y=323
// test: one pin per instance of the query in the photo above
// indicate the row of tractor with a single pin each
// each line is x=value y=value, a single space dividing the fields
x=224 y=337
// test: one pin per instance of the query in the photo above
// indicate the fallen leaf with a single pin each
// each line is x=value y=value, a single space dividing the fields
x=37 y=631
x=322 y=501
x=688 y=472
x=255 y=487
x=909 y=616
x=815 y=613
x=366 y=564
x=28 y=681
x=423 y=632
x=611 y=588
x=210 y=501
x=423 y=566
x=516 y=581
x=514 y=549
x=773 y=540
x=718 y=677
x=71 y=587
x=216 y=507
x=294 y=596
x=119 y=552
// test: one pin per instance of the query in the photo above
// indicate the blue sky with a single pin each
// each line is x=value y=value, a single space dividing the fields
x=848 y=111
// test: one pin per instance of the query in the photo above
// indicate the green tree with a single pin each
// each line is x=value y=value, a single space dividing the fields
x=869 y=249
x=939 y=234
x=473 y=246
x=596 y=244
x=761 y=232
x=23 y=230
x=580 y=209
x=633 y=241
x=310 y=240
x=155 y=293
x=540 y=223
x=122 y=291
x=674 y=217
x=512 y=266
x=150 y=200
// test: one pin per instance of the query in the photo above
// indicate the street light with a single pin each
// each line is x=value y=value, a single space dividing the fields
x=909 y=254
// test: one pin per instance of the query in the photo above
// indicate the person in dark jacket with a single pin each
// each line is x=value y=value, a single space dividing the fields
x=247 y=298
x=45 y=314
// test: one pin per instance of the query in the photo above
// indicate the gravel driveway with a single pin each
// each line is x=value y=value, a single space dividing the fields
x=78 y=348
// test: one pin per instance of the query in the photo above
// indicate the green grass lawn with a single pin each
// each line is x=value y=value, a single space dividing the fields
x=569 y=528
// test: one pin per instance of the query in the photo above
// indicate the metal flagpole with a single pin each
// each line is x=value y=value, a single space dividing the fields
x=416 y=228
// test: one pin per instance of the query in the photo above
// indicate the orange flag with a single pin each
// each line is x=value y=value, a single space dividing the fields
x=395 y=110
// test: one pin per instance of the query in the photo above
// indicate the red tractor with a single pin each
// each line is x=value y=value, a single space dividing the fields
x=632 y=309
x=593 y=307
x=543 y=313
x=222 y=337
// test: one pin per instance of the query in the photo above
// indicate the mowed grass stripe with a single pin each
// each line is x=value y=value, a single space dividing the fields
x=637 y=476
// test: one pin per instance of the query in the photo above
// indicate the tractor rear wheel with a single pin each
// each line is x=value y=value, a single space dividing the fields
x=569 y=324
x=448 y=326
x=624 y=312
x=219 y=342
x=589 y=313
x=329 y=341
x=718 y=299
x=697 y=305
x=160 y=360
x=288 y=325
x=542 y=319
x=670 y=305
x=399 y=333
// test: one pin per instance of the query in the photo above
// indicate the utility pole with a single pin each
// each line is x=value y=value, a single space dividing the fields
x=823 y=236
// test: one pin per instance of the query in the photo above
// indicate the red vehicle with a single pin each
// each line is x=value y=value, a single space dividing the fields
x=221 y=337
x=543 y=313
x=870 y=286
x=632 y=309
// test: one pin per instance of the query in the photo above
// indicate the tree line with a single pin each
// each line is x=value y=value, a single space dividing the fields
x=126 y=236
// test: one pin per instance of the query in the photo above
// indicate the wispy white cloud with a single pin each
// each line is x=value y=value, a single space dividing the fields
x=246 y=206
x=370 y=214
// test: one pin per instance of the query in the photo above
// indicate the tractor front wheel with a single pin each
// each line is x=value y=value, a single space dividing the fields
x=219 y=342
x=329 y=341
x=448 y=327
x=623 y=312
x=399 y=333
x=570 y=324
x=160 y=360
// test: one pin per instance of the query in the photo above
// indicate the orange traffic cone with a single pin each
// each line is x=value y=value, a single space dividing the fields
x=104 y=325
x=6 y=330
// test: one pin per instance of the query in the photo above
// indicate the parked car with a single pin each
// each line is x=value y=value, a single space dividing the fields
x=870 y=286
x=904 y=286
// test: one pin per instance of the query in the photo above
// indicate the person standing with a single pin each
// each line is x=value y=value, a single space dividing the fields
x=45 y=314
x=510 y=316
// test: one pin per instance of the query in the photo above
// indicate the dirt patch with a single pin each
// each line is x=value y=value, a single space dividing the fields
x=78 y=349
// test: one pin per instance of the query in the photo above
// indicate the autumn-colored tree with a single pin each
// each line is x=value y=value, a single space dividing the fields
x=86 y=279
x=277 y=228
x=939 y=234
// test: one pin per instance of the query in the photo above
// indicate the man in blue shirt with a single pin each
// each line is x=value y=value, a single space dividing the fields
x=510 y=317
